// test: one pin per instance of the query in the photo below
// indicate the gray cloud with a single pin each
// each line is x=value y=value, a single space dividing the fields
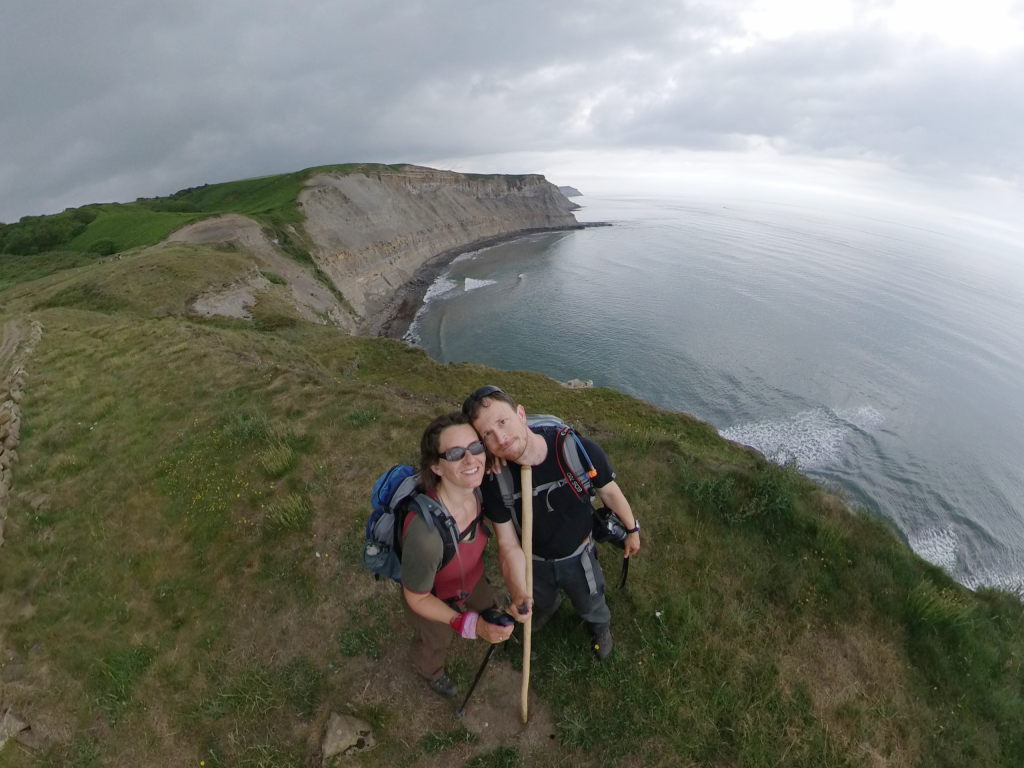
x=117 y=99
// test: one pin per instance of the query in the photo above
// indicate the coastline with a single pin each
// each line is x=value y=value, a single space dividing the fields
x=409 y=297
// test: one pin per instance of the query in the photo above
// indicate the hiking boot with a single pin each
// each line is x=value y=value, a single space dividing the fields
x=444 y=686
x=603 y=644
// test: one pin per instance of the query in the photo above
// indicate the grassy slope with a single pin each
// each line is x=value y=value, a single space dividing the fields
x=123 y=226
x=181 y=580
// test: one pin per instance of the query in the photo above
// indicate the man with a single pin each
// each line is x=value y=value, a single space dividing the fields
x=563 y=552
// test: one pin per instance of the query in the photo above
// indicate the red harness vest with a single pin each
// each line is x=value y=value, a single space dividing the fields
x=456 y=580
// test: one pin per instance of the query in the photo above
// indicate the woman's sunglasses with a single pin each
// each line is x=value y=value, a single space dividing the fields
x=456 y=454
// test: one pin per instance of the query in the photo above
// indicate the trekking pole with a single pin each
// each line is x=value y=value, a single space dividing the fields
x=492 y=617
x=526 y=478
x=480 y=673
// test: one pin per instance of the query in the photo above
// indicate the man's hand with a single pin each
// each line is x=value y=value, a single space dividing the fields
x=522 y=608
x=632 y=544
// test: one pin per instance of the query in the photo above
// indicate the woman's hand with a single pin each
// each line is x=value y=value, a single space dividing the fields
x=494 y=632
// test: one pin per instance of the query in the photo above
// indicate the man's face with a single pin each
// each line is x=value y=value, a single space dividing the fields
x=502 y=428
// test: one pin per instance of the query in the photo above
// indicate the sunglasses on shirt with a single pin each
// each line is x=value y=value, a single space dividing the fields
x=457 y=453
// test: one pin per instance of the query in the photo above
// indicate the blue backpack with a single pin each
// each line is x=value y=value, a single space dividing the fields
x=396 y=493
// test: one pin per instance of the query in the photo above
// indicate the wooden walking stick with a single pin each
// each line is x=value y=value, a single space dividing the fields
x=526 y=477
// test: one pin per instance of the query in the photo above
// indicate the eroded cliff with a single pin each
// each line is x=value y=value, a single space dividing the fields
x=371 y=232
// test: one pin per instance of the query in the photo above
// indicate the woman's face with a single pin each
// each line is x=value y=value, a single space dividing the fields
x=467 y=472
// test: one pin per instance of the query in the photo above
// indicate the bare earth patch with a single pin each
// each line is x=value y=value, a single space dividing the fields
x=313 y=300
x=492 y=714
x=233 y=300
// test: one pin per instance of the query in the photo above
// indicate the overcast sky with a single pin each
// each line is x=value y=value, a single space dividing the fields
x=109 y=100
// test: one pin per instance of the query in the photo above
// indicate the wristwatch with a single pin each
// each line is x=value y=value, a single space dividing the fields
x=635 y=528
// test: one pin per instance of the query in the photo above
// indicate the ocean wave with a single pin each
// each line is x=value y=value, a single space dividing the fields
x=468 y=255
x=412 y=335
x=942 y=547
x=441 y=285
x=1008 y=579
x=472 y=284
x=813 y=439
x=939 y=546
x=864 y=418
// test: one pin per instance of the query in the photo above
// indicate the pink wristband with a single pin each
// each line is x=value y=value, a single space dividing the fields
x=465 y=624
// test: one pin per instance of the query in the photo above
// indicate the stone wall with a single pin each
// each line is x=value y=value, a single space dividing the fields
x=15 y=349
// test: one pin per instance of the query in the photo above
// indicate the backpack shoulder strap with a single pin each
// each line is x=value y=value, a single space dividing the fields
x=437 y=518
x=507 y=488
x=576 y=466
x=506 y=485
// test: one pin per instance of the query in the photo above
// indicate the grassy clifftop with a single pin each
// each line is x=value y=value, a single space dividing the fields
x=180 y=580
x=107 y=228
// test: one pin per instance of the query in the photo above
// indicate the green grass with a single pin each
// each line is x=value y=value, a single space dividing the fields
x=434 y=742
x=114 y=676
x=267 y=194
x=129 y=226
x=291 y=513
x=502 y=757
x=162 y=281
x=117 y=227
x=190 y=587
x=16 y=269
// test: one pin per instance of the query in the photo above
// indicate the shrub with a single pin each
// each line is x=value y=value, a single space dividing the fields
x=103 y=247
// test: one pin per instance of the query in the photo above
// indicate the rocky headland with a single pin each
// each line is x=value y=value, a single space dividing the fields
x=379 y=236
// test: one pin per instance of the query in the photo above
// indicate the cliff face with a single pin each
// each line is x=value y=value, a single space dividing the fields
x=371 y=232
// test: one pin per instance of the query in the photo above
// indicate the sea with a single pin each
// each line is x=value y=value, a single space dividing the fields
x=879 y=348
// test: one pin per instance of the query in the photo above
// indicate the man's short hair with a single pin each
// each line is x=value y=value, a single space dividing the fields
x=472 y=404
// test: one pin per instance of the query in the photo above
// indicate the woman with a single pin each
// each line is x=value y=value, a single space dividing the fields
x=440 y=599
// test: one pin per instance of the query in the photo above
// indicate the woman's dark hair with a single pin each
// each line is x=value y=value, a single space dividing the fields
x=430 y=446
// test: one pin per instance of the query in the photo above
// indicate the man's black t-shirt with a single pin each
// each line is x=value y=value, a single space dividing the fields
x=561 y=521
